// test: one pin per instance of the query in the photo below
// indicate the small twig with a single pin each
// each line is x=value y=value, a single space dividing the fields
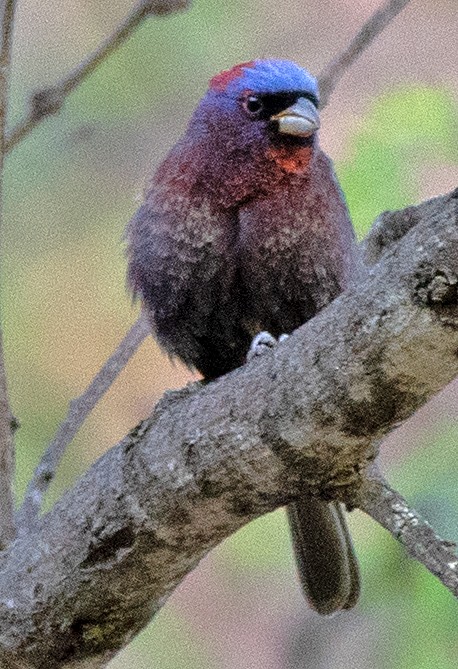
x=78 y=411
x=50 y=100
x=7 y=530
x=7 y=8
x=333 y=72
x=388 y=508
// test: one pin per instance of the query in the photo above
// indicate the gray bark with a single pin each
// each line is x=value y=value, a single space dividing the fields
x=307 y=415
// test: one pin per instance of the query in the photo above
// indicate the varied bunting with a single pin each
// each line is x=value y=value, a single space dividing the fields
x=244 y=229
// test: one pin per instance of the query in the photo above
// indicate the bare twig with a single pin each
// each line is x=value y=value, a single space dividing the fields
x=7 y=8
x=78 y=411
x=388 y=508
x=333 y=72
x=49 y=101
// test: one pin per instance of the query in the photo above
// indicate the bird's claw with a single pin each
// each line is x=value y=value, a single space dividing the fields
x=263 y=342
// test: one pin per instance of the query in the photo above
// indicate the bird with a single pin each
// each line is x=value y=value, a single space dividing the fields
x=244 y=229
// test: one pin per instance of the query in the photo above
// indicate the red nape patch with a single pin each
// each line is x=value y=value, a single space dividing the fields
x=220 y=81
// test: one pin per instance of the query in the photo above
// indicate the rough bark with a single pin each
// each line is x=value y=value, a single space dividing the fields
x=211 y=458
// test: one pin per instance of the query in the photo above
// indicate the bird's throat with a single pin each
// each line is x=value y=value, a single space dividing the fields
x=291 y=159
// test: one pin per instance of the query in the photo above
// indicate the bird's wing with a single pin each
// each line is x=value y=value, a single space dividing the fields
x=182 y=265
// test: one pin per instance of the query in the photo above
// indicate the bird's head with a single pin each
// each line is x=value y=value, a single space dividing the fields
x=257 y=121
x=276 y=97
x=256 y=124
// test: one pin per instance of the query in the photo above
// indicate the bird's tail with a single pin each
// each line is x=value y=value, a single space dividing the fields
x=326 y=561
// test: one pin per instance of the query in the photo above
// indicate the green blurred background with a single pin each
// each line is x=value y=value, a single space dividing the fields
x=70 y=189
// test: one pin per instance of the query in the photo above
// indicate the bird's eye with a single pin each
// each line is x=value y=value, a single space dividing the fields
x=253 y=105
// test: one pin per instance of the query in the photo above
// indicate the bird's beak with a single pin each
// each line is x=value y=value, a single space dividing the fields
x=301 y=119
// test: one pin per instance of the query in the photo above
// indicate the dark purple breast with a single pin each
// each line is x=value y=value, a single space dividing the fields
x=211 y=276
x=297 y=249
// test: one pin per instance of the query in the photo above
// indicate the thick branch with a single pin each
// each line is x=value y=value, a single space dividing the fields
x=213 y=457
x=49 y=101
x=7 y=8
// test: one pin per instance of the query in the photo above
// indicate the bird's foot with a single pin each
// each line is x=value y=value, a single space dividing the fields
x=263 y=342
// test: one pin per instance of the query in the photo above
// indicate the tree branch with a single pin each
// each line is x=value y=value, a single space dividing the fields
x=49 y=101
x=212 y=457
x=334 y=71
x=79 y=409
x=7 y=8
x=388 y=508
